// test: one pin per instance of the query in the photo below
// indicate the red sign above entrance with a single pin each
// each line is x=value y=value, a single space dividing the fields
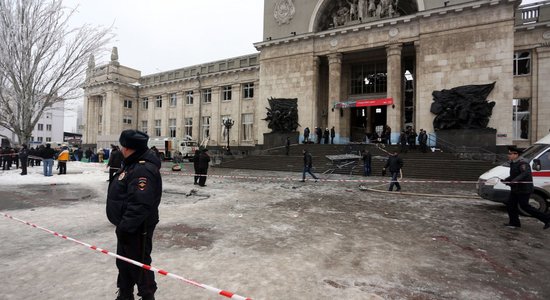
x=364 y=103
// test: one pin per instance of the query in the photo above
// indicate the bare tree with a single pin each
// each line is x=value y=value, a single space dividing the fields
x=42 y=60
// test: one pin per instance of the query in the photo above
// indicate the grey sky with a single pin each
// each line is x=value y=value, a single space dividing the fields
x=161 y=35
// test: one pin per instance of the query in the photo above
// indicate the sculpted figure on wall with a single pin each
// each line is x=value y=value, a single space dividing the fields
x=463 y=107
x=282 y=115
x=345 y=12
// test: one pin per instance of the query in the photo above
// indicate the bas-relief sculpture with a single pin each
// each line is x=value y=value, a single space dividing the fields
x=282 y=115
x=344 y=12
x=463 y=107
x=284 y=11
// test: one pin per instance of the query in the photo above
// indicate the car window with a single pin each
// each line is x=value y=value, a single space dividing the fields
x=545 y=160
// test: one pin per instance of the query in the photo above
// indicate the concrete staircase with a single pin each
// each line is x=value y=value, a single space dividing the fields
x=431 y=165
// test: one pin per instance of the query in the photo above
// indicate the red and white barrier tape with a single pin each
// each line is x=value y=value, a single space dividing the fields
x=144 y=266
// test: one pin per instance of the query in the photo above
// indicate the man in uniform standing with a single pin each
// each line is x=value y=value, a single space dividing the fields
x=521 y=187
x=132 y=206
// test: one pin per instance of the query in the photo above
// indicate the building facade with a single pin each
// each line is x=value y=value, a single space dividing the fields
x=326 y=53
x=49 y=127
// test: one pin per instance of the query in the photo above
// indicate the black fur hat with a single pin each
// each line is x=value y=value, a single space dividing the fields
x=515 y=149
x=133 y=139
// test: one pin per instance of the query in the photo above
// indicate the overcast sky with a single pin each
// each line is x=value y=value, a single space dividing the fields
x=162 y=35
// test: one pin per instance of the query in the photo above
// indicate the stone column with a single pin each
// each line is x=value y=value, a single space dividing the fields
x=394 y=81
x=540 y=106
x=315 y=107
x=334 y=93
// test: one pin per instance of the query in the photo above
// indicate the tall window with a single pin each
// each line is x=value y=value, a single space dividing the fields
x=248 y=90
x=172 y=127
x=522 y=63
x=188 y=127
x=189 y=97
x=520 y=118
x=40 y=139
x=248 y=121
x=40 y=127
x=144 y=126
x=173 y=99
x=206 y=95
x=158 y=128
x=127 y=120
x=205 y=127
x=127 y=103
x=48 y=139
x=226 y=93
x=158 y=103
x=369 y=78
x=48 y=127
x=145 y=103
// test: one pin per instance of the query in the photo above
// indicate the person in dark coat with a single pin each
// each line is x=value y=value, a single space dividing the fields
x=48 y=155
x=394 y=164
x=287 y=146
x=367 y=161
x=115 y=161
x=308 y=165
x=23 y=156
x=204 y=159
x=306 y=135
x=133 y=199
x=88 y=154
x=521 y=187
x=326 y=134
x=403 y=141
x=332 y=135
x=319 y=134
x=195 y=160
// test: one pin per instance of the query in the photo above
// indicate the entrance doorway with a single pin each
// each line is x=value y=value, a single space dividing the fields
x=364 y=121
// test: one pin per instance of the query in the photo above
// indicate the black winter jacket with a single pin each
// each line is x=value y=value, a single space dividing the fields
x=395 y=163
x=47 y=153
x=520 y=179
x=134 y=193
x=115 y=159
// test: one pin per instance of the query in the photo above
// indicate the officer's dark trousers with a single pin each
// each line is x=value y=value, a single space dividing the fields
x=523 y=201
x=202 y=179
x=23 y=166
x=136 y=246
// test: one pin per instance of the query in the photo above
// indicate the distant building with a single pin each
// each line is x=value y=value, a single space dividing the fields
x=328 y=52
x=49 y=127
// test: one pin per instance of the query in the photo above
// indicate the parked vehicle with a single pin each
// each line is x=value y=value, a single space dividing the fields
x=168 y=147
x=490 y=187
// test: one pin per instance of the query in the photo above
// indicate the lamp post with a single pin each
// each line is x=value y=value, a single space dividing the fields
x=228 y=123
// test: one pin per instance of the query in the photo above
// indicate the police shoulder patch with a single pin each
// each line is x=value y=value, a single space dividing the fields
x=142 y=183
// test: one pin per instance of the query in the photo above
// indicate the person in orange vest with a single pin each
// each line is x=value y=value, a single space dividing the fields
x=62 y=159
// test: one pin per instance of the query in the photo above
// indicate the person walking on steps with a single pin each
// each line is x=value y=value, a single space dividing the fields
x=308 y=164
x=394 y=164
x=521 y=187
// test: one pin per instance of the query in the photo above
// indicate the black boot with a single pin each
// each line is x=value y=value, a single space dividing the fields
x=148 y=297
x=125 y=295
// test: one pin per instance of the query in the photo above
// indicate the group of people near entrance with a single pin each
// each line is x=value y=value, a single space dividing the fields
x=319 y=136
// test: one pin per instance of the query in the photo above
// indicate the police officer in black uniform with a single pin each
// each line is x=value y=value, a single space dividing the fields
x=132 y=206
x=521 y=187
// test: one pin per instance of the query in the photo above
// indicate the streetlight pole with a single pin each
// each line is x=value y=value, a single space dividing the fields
x=228 y=123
